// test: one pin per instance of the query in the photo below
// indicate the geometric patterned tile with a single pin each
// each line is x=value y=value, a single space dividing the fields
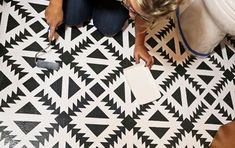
x=87 y=102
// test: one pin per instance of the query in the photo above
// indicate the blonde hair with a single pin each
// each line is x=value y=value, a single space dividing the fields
x=158 y=8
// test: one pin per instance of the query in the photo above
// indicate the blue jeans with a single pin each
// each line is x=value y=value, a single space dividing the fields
x=108 y=16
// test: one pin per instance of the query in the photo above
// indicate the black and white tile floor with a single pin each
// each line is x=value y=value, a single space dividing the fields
x=87 y=102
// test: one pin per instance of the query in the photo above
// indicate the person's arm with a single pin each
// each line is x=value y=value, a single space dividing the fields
x=140 y=50
x=54 y=16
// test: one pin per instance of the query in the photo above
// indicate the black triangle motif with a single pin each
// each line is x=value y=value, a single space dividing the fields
x=171 y=45
x=35 y=143
x=228 y=100
x=97 y=113
x=33 y=47
x=20 y=92
x=73 y=88
x=212 y=132
x=125 y=63
x=26 y=33
x=206 y=79
x=97 y=68
x=160 y=132
x=131 y=40
x=11 y=24
x=132 y=97
x=38 y=7
x=204 y=66
x=30 y=61
x=97 y=54
x=213 y=120
x=56 y=145
x=67 y=145
x=177 y=96
x=97 y=129
x=125 y=146
x=25 y=126
x=182 y=50
x=118 y=37
x=3 y=50
x=190 y=97
x=57 y=86
x=157 y=62
x=75 y=32
x=4 y=104
x=61 y=30
x=156 y=73
x=120 y=91
x=28 y=109
x=158 y=116
x=230 y=53
x=89 y=26
x=55 y=126
x=218 y=50
x=4 y=81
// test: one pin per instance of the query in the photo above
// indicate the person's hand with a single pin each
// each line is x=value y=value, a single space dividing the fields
x=140 y=52
x=54 y=18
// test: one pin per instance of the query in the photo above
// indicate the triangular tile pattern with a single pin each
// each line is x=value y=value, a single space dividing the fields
x=26 y=126
x=13 y=23
x=28 y=108
x=88 y=99
x=96 y=129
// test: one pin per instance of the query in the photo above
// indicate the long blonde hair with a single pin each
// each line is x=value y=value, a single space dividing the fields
x=158 y=8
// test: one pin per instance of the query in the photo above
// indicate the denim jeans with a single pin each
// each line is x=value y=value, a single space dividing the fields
x=108 y=16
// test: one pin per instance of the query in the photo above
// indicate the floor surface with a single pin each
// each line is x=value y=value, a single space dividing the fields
x=87 y=102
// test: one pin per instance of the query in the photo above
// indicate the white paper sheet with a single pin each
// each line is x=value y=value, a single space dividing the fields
x=142 y=83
